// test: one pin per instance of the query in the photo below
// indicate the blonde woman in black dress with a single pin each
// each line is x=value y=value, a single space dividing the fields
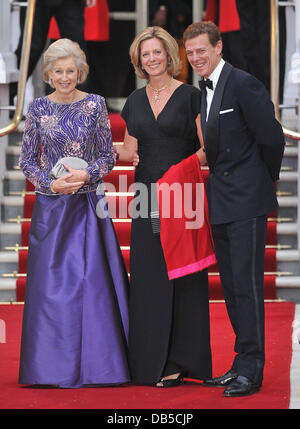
x=169 y=334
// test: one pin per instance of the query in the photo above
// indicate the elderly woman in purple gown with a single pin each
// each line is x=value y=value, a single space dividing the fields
x=75 y=319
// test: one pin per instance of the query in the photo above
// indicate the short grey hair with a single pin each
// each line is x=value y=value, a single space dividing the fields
x=64 y=48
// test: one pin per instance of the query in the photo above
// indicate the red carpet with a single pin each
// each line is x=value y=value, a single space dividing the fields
x=274 y=394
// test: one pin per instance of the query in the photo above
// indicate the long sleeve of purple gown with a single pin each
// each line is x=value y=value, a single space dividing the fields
x=30 y=158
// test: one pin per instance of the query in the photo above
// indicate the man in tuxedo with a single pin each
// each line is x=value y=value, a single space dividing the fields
x=244 y=145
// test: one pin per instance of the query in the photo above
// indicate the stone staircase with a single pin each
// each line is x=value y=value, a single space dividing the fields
x=288 y=260
x=287 y=283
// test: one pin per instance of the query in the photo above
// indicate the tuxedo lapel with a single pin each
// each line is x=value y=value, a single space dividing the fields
x=212 y=125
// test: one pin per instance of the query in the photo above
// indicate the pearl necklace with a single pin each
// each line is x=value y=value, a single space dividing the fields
x=157 y=91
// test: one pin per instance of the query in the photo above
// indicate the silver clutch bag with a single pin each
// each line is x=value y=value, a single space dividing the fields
x=59 y=170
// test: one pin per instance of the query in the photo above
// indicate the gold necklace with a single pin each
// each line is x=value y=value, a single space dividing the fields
x=157 y=91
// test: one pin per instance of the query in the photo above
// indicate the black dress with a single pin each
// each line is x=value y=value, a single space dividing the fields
x=169 y=320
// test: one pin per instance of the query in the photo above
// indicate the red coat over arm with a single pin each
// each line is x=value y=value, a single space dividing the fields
x=186 y=250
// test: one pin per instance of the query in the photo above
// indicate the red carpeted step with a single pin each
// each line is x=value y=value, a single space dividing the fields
x=123 y=231
x=270 y=260
x=118 y=127
x=119 y=206
x=25 y=228
x=271 y=238
x=20 y=289
x=29 y=186
x=28 y=206
x=126 y=257
x=22 y=261
x=120 y=181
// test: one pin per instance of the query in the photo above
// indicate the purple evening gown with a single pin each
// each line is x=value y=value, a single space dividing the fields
x=75 y=323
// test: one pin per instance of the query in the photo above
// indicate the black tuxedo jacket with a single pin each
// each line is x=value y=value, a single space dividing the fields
x=244 y=146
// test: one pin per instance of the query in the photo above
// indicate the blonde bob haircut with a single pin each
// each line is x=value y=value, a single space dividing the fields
x=60 y=49
x=169 y=43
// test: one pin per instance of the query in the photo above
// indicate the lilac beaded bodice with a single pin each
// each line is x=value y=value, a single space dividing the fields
x=53 y=131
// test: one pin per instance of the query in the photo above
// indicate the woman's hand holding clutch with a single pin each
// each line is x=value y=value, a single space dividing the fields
x=71 y=182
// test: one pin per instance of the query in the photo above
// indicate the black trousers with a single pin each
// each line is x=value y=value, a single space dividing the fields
x=240 y=250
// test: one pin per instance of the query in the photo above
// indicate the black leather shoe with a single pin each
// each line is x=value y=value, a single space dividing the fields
x=242 y=386
x=221 y=381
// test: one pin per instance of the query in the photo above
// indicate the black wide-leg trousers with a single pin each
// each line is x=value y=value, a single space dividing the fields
x=240 y=251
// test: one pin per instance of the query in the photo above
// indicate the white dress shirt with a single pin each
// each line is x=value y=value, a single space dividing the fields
x=214 y=77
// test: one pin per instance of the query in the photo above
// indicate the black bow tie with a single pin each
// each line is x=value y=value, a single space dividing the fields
x=206 y=82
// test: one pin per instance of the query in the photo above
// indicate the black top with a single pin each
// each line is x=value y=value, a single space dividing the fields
x=167 y=140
